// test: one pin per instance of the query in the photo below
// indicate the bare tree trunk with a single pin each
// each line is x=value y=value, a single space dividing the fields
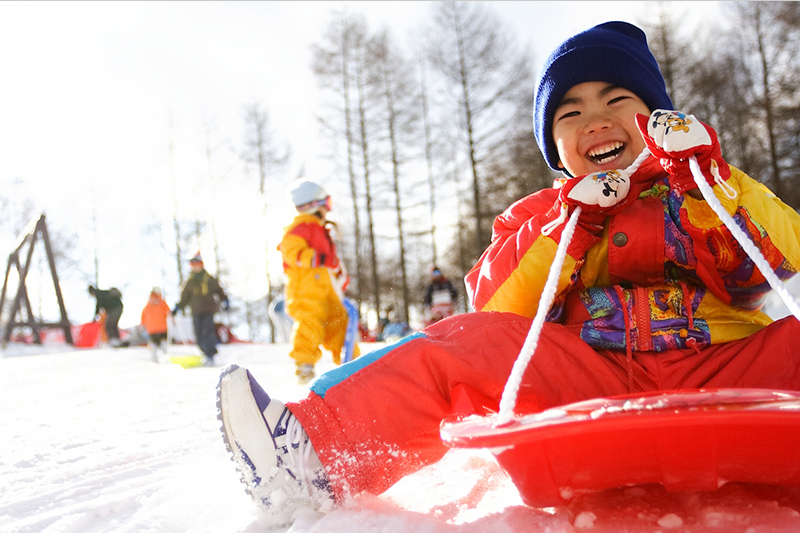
x=479 y=62
x=376 y=295
x=269 y=282
x=463 y=261
x=398 y=204
x=767 y=100
x=351 y=174
x=395 y=86
x=401 y=234
x=261 y=151
x=212 y=188
x=175 y=224
x=333 y=66
x=466 y=103
x=96 y=244
x=428 y=156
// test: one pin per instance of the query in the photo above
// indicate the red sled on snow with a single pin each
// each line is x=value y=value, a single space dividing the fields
x=86 y=335
x=686 y=440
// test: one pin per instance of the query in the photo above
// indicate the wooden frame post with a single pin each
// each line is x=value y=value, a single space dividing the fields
x=37 y=228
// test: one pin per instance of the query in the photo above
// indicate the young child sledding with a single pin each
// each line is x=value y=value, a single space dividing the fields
x=654 y=294
x=315 y=281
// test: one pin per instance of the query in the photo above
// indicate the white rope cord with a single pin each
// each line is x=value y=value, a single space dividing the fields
x=509 y=398
x=744 y=241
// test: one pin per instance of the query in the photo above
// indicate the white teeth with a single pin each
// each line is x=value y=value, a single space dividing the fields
x=604 y=149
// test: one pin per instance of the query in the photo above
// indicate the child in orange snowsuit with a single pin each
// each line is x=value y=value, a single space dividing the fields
x=154 y=320
x=315 y=281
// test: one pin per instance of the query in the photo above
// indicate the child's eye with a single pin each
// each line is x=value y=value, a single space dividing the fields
x=617 y=99
x=568 y=114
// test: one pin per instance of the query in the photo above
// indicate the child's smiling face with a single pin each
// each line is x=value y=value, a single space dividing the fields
x=594 y=128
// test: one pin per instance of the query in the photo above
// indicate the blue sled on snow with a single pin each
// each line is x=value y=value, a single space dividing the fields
x=281 y=321
x=352 y=330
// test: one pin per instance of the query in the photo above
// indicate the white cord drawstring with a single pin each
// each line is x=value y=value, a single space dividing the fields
x=729 y=191
x=562 y=217
x=638 y=162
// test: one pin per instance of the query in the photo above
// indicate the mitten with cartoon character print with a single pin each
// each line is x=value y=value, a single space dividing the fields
x=599 y=195
x=673 y=137
x=598 y=192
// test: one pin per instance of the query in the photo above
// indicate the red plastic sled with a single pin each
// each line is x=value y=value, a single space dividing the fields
x=686 y=440
x=87 y=335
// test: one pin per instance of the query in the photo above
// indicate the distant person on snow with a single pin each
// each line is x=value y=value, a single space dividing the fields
x=109 y=303
x=204 y=296
x=654 y=293
x=440 y=297
x=154 y=320
x=315 y=281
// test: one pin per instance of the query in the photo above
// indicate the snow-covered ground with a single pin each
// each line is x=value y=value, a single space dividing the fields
x=104 y=440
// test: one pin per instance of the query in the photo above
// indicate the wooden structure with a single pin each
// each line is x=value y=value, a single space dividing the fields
x=21 y=313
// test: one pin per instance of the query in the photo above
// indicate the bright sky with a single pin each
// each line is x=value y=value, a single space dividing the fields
x=92 y=93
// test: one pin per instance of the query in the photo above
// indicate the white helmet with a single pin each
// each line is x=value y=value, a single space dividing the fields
x=309 y=196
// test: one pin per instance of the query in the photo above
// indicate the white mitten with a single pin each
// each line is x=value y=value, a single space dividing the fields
x=597 y=192
x=676 y=133
x=673 y=137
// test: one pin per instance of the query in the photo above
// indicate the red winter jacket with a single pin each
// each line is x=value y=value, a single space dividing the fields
x=664 y=273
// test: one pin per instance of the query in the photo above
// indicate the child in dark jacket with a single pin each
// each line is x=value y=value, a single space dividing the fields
x=204 y=296
x=109 y=307
x=654 y=292
x=440 y=297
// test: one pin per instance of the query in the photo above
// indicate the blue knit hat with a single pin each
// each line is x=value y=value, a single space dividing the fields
x=613 y=52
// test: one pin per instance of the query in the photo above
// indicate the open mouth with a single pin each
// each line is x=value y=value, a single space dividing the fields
x=603 y=154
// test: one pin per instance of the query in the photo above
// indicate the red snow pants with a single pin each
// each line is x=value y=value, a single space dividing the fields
x=377 y=419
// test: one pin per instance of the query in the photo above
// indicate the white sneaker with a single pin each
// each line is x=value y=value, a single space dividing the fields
x=271 y=450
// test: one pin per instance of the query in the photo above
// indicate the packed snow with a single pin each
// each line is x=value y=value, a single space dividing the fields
x=105 y=440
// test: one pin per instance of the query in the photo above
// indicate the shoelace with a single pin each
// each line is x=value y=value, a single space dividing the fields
x=299 y=458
